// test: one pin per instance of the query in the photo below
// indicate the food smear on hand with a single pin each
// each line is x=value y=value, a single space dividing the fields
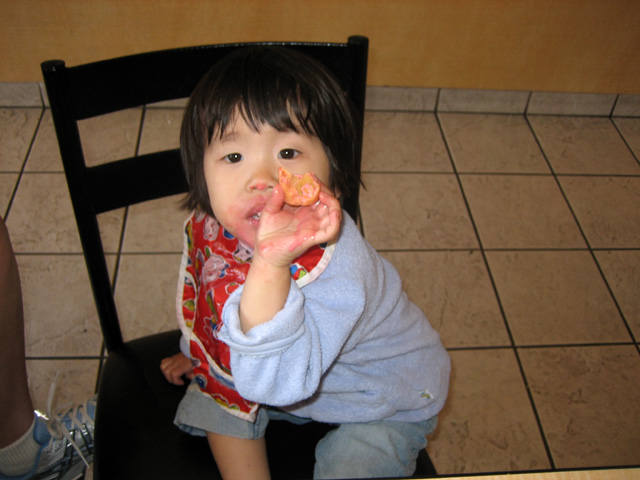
x=299 y=190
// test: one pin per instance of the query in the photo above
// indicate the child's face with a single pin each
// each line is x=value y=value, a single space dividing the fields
x=241 y=169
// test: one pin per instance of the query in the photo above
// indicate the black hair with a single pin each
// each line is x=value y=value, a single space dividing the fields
x=276 y=86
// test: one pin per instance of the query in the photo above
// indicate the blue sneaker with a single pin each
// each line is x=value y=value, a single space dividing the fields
x=66 y=443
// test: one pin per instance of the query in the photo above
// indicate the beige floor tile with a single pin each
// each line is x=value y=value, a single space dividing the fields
x=75 y=383
x=492 y=144
x=146 y=294
x=7 y=185
x=484 y=101
x=401 y=98
x=403 y=142
x=584 y=145
x=627 y=106
x=110 y=137
x=488 y=424
x=155 y=226
x=17 y=128
x=45 y=153
x=608 y=209
x=520 y=212
x=565 y=103
x=175 y=103
x=59 y=311
x=161 y=130
x=622 y=270
x=555 y=297
x=454 y=291
x=630 y=129
x=106 y=138
x=415 y=212
x=20 y=94
x=587 y=399
x=42 y=220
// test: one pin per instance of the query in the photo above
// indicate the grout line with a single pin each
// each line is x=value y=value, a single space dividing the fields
x=615 y=125
x=125 y=217
x=481 y=249
x=62 y=357
x=24 y=166
x=613 y=107
x=103 y=356
x=116 y=270
x=398 y=110
x=582 y=232
x=497 y=249
x=513 y=347
x=499 y=174
x=541 y=346
x=528 y=102
x=159 y=252
x=577 y=345
x=475 y=228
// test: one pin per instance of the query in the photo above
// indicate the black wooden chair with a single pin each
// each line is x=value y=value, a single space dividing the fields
x=134 y=435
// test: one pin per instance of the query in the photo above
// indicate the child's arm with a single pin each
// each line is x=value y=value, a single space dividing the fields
x=284 y=234
x=175 y=367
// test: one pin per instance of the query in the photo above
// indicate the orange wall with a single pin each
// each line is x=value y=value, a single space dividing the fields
x=543 y=45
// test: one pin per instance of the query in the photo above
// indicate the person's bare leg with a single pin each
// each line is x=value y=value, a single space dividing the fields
x=16 y=407
x=239 y=458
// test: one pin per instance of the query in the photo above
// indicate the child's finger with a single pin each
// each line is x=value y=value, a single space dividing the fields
x=276 y=200
x=328 y=199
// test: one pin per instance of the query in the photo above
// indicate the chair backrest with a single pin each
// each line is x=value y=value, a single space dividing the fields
x=94 y=89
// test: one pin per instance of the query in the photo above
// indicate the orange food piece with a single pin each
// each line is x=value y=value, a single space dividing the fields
x=299 y=190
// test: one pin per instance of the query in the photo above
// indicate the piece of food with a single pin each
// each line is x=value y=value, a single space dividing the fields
x=299 y=190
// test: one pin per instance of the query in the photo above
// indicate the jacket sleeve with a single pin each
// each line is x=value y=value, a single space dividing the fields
x=282 y=361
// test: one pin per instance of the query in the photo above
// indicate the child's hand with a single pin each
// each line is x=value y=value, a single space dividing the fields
x=175 y=367
x=286 y=232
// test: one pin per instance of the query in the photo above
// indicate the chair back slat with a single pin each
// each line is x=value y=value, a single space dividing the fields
x=139 y=179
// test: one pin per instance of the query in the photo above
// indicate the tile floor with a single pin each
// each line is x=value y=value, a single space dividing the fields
x=519 y=236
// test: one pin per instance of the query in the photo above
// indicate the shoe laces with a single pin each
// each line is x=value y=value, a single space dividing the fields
x=78 y=417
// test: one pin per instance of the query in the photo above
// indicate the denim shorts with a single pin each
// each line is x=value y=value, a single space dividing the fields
x=381 y=448
x=198 y=414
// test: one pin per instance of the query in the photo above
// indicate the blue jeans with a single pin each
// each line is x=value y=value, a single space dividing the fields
x=382 y=448
x=370 y=450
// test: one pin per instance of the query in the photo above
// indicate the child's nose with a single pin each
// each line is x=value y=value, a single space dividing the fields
x=263 y=178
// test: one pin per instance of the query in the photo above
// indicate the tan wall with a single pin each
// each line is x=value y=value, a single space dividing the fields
x=543 y=45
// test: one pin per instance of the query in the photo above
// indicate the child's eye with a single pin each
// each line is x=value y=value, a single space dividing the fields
x=288 y=153
x=233 y=157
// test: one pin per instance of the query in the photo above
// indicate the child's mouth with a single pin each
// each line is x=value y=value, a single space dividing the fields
x=253 y=211
x=255 y=219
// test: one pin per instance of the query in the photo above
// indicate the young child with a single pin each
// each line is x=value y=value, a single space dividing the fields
x=287 y=312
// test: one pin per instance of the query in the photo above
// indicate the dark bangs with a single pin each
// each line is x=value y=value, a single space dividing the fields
x=263 y=92
x=273 y=86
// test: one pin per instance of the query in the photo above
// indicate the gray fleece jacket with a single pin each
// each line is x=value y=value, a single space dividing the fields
x=347 y=347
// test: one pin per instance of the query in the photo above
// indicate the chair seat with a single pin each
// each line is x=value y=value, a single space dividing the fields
x=133 y=385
